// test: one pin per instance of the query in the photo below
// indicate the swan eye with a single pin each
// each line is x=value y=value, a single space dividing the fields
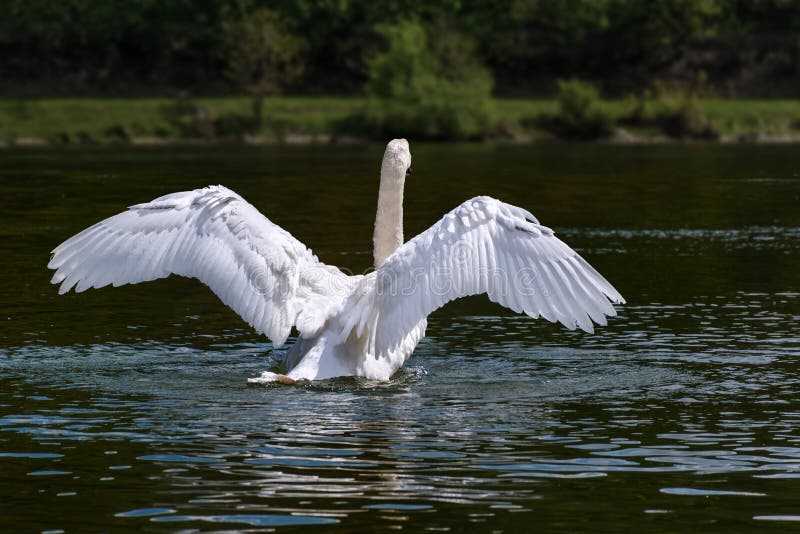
x=408 y=171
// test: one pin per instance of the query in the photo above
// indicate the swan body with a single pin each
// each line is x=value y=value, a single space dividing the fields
x=363 y=325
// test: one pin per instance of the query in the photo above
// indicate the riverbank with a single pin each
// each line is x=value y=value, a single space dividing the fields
x=154 y=121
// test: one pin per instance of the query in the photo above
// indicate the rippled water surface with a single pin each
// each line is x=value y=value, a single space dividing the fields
x=128 y=409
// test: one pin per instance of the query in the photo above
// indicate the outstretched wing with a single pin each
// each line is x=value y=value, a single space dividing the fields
x=484 y=246
x=254 y=266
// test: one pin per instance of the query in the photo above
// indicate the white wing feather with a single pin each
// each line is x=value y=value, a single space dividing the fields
x=482 y=246
x=254 y=266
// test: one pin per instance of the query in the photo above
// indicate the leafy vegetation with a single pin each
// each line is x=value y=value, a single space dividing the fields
x=262 y=59
x=151 y=47
x=581 y=114
x=426 y=91
x=674 y=109
x=678 y=114
x=413 y=68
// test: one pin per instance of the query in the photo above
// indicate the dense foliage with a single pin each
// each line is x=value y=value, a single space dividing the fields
x=745 y=47
x=580 y=113
x=425 y=91
x=262 y=58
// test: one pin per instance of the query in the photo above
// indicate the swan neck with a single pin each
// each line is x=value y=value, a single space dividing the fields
x=389 y=218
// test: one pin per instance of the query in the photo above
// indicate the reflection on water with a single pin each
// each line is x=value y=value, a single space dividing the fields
x=129 y=408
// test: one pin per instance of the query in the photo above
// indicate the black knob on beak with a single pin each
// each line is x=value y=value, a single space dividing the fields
x=408 y=171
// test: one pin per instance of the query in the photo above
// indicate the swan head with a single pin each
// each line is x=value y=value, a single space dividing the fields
x=396 y=160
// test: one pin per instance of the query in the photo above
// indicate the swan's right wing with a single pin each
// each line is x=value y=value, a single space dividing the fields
x=482 y=246
x=254 y=266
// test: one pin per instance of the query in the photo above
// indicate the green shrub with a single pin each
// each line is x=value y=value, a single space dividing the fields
x=635 y=108
x=263 y=58
x=60 y=138
x=188 y=118
x=84 y=137
x=672 y=108
x=233 y=125
x=678 y=115
x=423 y=91
x=580 y=113
x=117 y=132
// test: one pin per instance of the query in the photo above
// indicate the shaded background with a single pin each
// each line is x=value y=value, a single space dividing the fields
x=513 y=70
x=149 y=47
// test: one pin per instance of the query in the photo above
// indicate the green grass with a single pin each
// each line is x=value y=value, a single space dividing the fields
x=73 y=119
x=737 y=117
x=730 y=117
x=92 y=119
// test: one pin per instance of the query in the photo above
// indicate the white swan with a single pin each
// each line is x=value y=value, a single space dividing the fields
x=366 y=325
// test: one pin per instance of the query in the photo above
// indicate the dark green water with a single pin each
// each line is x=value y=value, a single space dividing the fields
x=128 y=409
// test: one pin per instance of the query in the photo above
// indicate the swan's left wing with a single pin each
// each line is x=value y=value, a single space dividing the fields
x=484 y=246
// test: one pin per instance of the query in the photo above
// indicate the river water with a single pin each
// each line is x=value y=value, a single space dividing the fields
x=128 y=409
